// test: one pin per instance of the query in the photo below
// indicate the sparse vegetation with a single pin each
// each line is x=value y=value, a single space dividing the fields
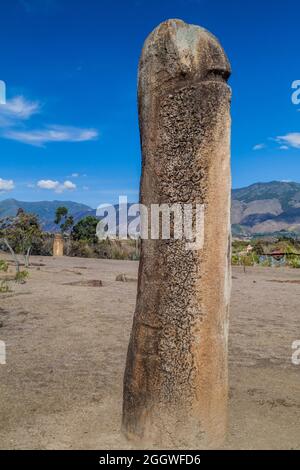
x=21 y=277
x=3 y=266
x=19 y=235
x=258 y=251
x=3 y=282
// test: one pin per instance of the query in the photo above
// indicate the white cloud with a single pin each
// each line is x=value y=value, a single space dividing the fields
x=16 y=110
x=291 y=140
x=56 y=185
x=69 y=185
x=75 y=175
x=48 y=184
x=21 y=108
x=283 y=147
x=259 y=147
x=6 y=185
x=53 y=133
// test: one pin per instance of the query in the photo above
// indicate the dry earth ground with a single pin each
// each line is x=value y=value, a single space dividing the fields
x=66 y=345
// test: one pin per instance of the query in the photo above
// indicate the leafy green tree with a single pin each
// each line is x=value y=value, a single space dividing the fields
x=85 y=229
x=63 y=219
x=19 y=234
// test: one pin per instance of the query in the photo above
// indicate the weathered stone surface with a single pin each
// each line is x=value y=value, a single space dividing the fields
x=175 y=384
x=58 y=245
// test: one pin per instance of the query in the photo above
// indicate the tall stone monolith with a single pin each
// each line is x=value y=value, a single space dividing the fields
x=176 y=379
x=58 y=245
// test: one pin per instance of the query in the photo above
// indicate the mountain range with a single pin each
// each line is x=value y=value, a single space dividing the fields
x=266 y=208
x=45 y=210
x=262 y=208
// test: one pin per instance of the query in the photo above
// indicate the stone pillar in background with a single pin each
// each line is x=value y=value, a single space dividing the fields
x=176 y=380
x=58 y=245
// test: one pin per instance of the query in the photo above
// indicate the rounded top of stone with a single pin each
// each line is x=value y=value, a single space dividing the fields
x=176 y=49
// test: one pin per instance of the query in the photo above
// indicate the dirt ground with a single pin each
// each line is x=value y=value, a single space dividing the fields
x=61 y=387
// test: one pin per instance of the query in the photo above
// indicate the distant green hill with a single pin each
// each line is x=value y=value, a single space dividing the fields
x=45 y=210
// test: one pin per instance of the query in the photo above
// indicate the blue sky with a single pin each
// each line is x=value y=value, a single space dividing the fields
x=69 y=129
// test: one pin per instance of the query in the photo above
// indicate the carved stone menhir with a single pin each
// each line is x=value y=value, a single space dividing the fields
x=176 y=378
x=58 y=245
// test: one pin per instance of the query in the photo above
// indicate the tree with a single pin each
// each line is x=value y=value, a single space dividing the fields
x=63 y=219
x=85 y=229
x=19 y=234
x=258 y=248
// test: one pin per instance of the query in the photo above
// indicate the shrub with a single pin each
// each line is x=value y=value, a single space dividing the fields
x=247 y=260
x=80 y=249
x=3 y=283
x=266 y=263
x=46 y=246
x=4 y=287
x=235 y=260
x=21 y=277
x=294 y=262
x=3 y=266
